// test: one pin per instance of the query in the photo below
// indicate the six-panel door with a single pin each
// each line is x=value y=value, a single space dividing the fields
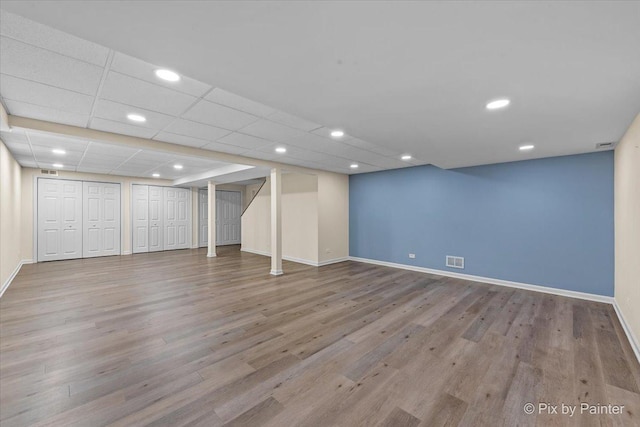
x=228 y=212
x=101 y=217
x=59 y=219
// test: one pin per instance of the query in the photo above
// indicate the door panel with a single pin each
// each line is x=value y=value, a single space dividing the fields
x=177 y=221
x=140 y=217
x=228 y=212
x=59 y=223
x=156 y=219
x=203 y=218
x=101 y=209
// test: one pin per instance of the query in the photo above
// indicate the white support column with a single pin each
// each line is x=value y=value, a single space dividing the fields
x=211 y=226
x=276 y=222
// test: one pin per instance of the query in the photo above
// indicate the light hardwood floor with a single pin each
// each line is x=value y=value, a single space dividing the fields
x=177 y=338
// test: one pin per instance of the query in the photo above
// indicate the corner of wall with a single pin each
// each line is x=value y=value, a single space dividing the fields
x=10 y=217
x=333 y=217
x=627 y=232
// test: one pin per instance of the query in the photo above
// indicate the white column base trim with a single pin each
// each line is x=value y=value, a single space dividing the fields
x=126 y=253
x=209 y=255
x=492 y=281
x=633 y=340
x=13 y=274
x=276 y=272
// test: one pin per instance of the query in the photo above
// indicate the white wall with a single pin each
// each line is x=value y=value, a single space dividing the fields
x=299 y=219
x=627 y=228
x=333 y=216
x=10 y=215
x=315 y=218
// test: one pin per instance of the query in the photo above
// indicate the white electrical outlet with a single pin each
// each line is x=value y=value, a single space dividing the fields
x=412 y=256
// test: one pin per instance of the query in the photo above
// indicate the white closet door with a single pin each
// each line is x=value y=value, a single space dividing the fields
x=101 y=218
x=170 y=232
x=156 y=218
x=59 y=219
x=177 y=219
x=203 y=217
x=183 y=218
x=228 y=212
x=140 y=217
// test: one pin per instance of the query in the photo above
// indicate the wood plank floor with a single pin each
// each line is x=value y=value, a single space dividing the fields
x=177 y=338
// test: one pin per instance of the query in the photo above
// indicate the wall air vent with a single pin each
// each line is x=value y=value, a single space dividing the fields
x=605 y=145
x=48 y=172
x=455 y=261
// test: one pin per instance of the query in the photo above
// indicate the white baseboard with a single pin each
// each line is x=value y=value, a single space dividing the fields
x=126 y=252
x=298 y=260
x=633 y=340
x=13 y=274
x=492 y=281
x=333 y=261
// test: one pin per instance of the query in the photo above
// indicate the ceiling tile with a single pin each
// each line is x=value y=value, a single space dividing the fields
x=218 y=115
x=44 y=113
x=57 y=141
x=19 y=149
x=271 y=131
x=100 y=150
x=364 y=145
x=122 y=128
x=244 y=141
x=15 y=135
x=142 y=70
x=46 y=37
x=93 y=169
x=16 y=89
x=139 y=93
x=196 y=130
x=375 y=159
x=224 y=148
x=293 y=121
x=326 y=132
x=117 y=112
x=263 y=155
x=32 y=63
x=317 y=143
x=180 y=139
x=222 y=97
x=26 y=162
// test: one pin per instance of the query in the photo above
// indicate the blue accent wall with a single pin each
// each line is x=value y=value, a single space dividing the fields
x=546 y=222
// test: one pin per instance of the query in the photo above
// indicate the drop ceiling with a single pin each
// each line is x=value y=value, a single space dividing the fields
x=398 y=77
x=35 y=150
x=49 y=75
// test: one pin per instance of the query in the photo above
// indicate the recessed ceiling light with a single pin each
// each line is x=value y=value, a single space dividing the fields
x=136 y=118
x=498 y=103
x=406 y=157
x=526 y=147
x=354 y=166
x=58 y=151
x=58 y=165
x=168 y=75
x=156 y=175
x=337 y=133
x=177 y=167
x=281 y=150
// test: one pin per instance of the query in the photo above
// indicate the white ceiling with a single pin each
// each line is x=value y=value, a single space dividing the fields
x=35 y=150
x=49 y=75
x=397 y=76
